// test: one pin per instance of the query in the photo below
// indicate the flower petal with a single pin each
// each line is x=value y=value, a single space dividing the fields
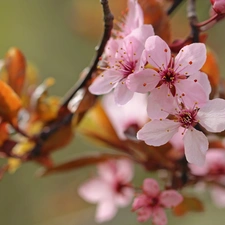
x=191 y=92
x=157 y=52
x=158 y=132
x=159 y=216
x=143 y=32
x=94 y=190
x=122 y=93
x=143 y=81
x=105 y=82
x=124 y=170
x=144 y=214
x=190 y=59
x=195 y=146
x=160 y=103
x=151 y=187
x=170 y=198
x=212 y=115
x=203 y=80
x=124 y=198
x=105 y=211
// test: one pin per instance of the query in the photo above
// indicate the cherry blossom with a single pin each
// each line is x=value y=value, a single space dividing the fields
x=170 y=77
x=126 y=119
x=121 y=64
x=218 y=6
x=213 y=170
x=110 y=189
x=211 y=116
x=151 y=203
x=133 y=19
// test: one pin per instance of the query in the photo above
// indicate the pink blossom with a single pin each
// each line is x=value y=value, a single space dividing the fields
x=123 y=62
x=171 y=77
x=213 y=170
x=151 y=203
x=211 y=116
x=126 y=119
x=133 y=19
x=110 y=189
x=218 y=6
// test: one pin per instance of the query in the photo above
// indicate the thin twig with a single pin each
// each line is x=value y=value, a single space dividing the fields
x=108 y=25
x=66 y=119
x=175 y=4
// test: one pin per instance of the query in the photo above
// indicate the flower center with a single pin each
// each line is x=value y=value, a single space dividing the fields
x=126 y=67
x=187 y=118
x=168 y=76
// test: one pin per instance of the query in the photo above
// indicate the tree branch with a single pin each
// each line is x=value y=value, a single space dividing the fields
x=175 y=4
x=108 y=25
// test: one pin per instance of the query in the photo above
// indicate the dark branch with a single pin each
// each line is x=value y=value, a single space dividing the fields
x=108 y=25
x=193 y=20
x=175 y=4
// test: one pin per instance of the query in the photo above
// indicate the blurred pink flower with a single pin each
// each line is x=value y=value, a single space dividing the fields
x=110 y=189
x=211 y=116
x=213 y=170
x=218 y=6
x=126 y=119
x=170 y=76
x=151 y=203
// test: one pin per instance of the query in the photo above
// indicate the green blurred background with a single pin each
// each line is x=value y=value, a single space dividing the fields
x=53 y=36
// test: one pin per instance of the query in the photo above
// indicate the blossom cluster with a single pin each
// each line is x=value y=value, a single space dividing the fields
x=137 y=61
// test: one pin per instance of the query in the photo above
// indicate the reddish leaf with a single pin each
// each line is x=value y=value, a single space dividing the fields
x=15 y=64
x=10 y=103
x=189 y=204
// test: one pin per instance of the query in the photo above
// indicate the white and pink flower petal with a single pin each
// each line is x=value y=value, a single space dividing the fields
x=143 y=81
x=212 y=115
x=159 y=216
x=170 y=198
x=158 y=132
x=105 y=82
x=94 y=190
x=158 y=52
x=190 y=59
x=142 y=33
x=191 y=93
x=105 y=211
x=122 y=93
x=160 y=103
x=195 y=146
x=151 y=187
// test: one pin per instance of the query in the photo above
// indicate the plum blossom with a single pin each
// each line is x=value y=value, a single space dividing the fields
x=170 y=77
x=133 y=19
x=211 y=116
x=110 y=189
x=122 y=56
x=121 y=64
x=213 y=170
x=218 y=6
x=152 y=202
x=126 y=119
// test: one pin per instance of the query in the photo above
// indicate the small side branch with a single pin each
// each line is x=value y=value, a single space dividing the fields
x=175 y=4
x=108 y=25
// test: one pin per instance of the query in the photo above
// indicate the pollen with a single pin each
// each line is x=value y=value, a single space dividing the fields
x=195 y=80
x=190 y=62
x=102 y=75
x=180 y=65
x=168 y=130
x=183 y=94
x=111 y=83
x=144 y=84
x=160 y=119
x=165 y=50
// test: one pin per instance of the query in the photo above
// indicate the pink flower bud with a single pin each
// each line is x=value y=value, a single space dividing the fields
x=218 y=6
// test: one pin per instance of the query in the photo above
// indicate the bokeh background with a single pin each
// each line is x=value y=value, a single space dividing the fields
x=58 y=37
